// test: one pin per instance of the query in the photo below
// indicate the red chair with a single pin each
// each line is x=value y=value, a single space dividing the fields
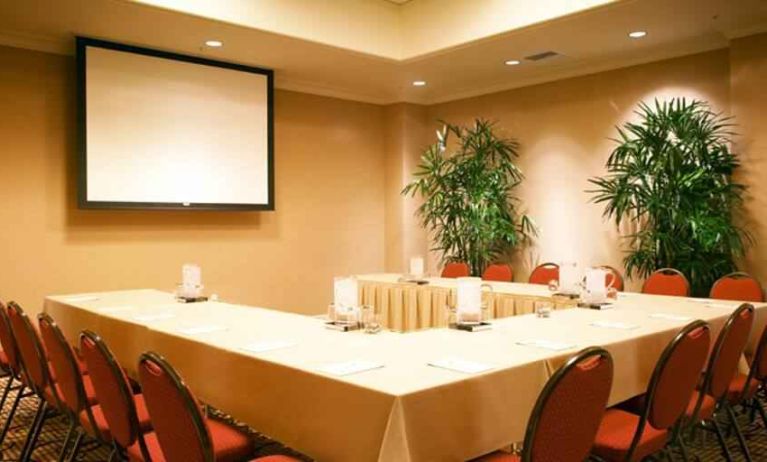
x=37 y=374
x=76 y=392
x=744 y=388
x=711 y=398
x=739 y=287
x=613 y=278
x=667 y=281
x=544 y=273
x=498 y=272
x=16 y=381
x=455 y=270
x=181 y=430
x=566 y=415
x=626 y=436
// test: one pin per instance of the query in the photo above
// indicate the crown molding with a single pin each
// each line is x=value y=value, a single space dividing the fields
x=37 y=42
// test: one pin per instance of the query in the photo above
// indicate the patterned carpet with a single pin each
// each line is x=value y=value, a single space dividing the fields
x=705 y=448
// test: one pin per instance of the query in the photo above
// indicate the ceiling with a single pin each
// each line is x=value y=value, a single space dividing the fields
x=372 y=50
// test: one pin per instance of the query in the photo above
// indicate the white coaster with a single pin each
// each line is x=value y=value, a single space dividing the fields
x=614 y=325
x=547 y=344
x=462 y=365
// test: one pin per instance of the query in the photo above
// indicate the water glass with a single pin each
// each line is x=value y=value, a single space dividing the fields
x=371 y=320
x=543 y=310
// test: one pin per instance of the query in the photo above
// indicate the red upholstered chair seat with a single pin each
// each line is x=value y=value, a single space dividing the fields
x=3 y=358
x=90 y=393
x=145 y=424
x=616 y=432
x=229 y=444
x=735 y=390
x=455 y=270
x=498 y=272
x=706 y=408
x=498 y=456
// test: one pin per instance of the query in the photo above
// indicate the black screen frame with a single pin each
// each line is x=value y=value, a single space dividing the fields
x=82 y=187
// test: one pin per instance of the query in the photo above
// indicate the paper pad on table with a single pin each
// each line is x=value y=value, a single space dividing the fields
x=267 y=345
x=462 y=365
x=614 y=325
x=349 y=367
x=204 y=329
x=547 y=344
x=671 y=317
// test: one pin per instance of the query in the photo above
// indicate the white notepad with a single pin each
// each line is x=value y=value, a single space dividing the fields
x=114 y=309
x=148 y=317
x=204 y=329
x=350 y=367
x=721 y=305
x=614 y=325
x=267 y=345
x=462 y=365
x=547 y=344
x=670 y=317
x=82 y=298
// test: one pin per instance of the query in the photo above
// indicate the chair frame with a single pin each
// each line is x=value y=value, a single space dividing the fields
x=190 y=403
x=668 y=271
x=82 y=399
x=125 y=392
x=543 y=399
x=736 y=275
x=721 y=401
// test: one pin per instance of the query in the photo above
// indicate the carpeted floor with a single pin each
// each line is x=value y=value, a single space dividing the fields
x=705 y=448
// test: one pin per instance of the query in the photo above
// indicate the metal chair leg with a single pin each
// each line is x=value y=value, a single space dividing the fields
x=67 y=439
x=683 y=448
x=6 y=390
x=722 y=441
x=11 y=414
x=34 y=432
x=738 y=433
x=76 y=446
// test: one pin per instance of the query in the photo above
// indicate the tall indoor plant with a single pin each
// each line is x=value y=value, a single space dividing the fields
x=467 y=187
x=670 y=178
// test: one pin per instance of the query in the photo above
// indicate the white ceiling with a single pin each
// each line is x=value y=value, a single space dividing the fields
x=590 y=40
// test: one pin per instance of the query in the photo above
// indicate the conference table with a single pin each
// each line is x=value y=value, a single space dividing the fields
x=433 y=394
x=406 y=306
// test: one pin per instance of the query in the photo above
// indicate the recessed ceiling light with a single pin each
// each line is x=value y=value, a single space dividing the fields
x=214 y=43
x=637 y=34
x=513 y=62
x=419 y=83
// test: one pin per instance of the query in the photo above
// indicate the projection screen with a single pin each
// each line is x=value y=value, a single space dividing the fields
x=169 y=131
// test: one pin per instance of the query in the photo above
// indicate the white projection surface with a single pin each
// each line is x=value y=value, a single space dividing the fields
x=164 y=131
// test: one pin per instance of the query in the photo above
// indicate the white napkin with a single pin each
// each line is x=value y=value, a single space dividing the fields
x=203 y=329
x=267 y=345
x=670 y=317
x=462 y=365
x=148 y=317
x=82 y=298
x=547 y=344
x=349 y=367
x=614 y=325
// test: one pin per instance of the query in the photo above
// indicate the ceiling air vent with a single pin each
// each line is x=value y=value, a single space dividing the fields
x=542 y=56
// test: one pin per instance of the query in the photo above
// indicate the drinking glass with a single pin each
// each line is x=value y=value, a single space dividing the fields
x=543 y=310
x=371 y=320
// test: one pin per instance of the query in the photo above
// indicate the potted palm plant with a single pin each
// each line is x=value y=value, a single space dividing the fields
x=670 y=179
x=467 y=187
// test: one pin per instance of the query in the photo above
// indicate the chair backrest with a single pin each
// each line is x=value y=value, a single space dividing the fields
x=614 y=278
x=676 y=375
x=455 y=270
x=667 y=281
x=498 y=272
x=544 y=273
x=113 y=391
x=64 y=363
x=758 y=370
x=568 y=411
x=30 y=349
x=737 y=286
x=729 y=346
x=176 y=417
x=8 y=342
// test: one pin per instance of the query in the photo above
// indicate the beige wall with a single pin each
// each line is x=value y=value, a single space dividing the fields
x=329 y=218
x=339 y=168
x=748 y=80
x=563 y=128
